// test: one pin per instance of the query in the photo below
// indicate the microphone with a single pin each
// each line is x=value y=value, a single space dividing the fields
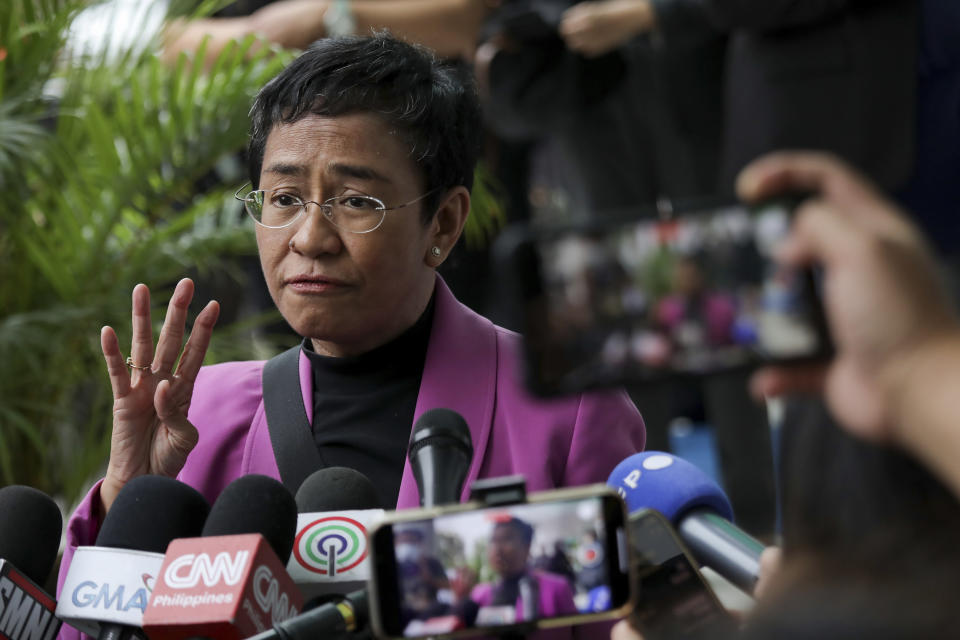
x=329 y=620
x=698 y=509
x=230 y=583
x=30 y=527
x=255 y=504
x=529 y=598
x=337 y=506
x=108 y=585
x=440 y=453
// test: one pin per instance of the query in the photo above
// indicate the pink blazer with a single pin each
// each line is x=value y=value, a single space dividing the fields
x=472 y=366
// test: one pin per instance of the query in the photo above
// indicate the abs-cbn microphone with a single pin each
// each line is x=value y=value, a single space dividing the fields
x=108 y=585
x=30 y=527
x=230 y=583
x=698 y=509
x=337 y=505
x=440 y=453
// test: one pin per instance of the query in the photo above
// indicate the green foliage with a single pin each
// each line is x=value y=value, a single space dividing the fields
x=100 y=192
x=486 y=209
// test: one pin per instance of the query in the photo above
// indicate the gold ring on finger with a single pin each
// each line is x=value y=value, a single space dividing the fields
x=138 y=367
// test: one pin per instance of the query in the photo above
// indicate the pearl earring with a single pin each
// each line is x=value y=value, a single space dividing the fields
x=435 y=251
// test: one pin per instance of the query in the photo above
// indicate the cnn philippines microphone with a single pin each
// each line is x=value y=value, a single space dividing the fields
x=337 y=505
x=440 y=454
x=107 y=587
x=30 y=527
x=698 y=509
x=231 y=582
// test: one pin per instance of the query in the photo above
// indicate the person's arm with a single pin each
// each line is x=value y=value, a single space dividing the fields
x=761 y=15
x=449 y=27
x=897 y=365
x=290 y=23
x=595 y=27
x=598 y=26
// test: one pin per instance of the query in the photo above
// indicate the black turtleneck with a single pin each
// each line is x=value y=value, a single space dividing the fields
x=363 y=406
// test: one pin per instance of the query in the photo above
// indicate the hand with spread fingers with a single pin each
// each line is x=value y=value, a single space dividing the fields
x=151 y=433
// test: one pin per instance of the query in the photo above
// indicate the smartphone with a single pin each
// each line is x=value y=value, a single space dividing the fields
x=636 y=301
x=560 y=558
x=671 y=597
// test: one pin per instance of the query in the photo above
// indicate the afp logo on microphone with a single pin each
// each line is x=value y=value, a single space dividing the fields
x=332 y=547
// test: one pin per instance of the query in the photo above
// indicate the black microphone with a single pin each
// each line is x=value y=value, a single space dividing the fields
x=440 y=454
x=348 y=615
x=529 y=598
x=231 y=582
x=107 y=586
x=30 y=527
x=343 y=498
x=336 y=489
x=698 y=509
x=336 y=505
x=255 y=504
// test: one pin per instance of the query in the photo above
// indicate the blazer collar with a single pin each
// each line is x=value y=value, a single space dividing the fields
x=459 y=373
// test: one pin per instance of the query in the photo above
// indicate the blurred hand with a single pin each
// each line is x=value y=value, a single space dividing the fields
x=882 y=295
x=623 y=631
x=151 y=433
x=770 y=561
x=593 y=28
x=463 y=583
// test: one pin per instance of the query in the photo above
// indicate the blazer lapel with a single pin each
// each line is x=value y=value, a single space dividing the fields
x=459 y=373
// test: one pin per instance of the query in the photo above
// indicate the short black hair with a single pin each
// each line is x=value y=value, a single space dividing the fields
x=524 y=530
x=432 y=105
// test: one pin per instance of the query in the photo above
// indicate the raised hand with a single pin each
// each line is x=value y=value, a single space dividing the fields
x=882 y=295
x=151 y=433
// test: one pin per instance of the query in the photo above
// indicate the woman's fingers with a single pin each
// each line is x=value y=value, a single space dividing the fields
x=141 y=348
x=116 y=367
x=171 y=335
x=197 y=344
x=182 y=436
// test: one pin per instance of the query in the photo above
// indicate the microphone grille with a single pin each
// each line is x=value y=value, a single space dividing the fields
x=336 y=489
x=30 y=527
x=149 y=512
x=671 y=485
x=441 y=426
x=256 y=504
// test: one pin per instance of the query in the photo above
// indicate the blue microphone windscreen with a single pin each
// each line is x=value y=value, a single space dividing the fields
x=671 y=485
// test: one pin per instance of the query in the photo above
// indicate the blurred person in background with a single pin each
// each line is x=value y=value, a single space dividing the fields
x=618 y=119
x=837 y=76
x=933 y=192
x=508 y=553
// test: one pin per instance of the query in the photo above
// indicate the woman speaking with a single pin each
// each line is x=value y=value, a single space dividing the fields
x=361 y=161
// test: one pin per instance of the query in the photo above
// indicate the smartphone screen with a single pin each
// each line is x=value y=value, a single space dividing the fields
x=644 y=300
x=498 y=567
x=671 y=598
